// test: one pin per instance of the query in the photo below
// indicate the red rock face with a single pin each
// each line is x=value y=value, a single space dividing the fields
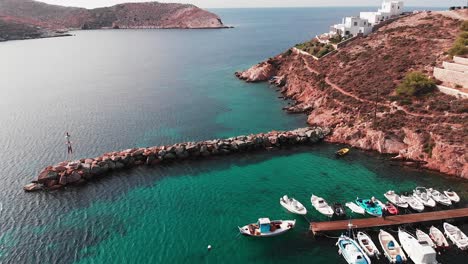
x=352 y=92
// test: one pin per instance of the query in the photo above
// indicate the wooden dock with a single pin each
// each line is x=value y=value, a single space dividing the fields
x=317 y=227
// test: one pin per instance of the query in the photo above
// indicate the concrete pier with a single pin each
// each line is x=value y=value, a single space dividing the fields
x=80 y=171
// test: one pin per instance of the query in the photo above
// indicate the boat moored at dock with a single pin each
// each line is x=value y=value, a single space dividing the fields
x=425 y=238
x=266 y=228
x=420 y=252
x=355 y=208
x=392 y=250
x=413 y=203
x=453 y=196
x=367 y=244
x=395 y=199
x=321 y=205
x=292 y=205
x=351 y=251
x=369 y=206
x=422 y=195
x=439 y=197
x=456 y=236
x=438 y=237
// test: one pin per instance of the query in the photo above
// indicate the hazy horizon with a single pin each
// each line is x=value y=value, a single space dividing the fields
x=260 y=3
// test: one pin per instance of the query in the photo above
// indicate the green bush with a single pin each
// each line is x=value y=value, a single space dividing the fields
x=464 y=25
x=459 y=47
x=414 y=84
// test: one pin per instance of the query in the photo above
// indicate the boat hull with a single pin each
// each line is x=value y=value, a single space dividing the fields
x=285 y=226
x=292 y=208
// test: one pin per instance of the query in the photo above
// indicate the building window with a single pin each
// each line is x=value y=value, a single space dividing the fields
x=355 y=23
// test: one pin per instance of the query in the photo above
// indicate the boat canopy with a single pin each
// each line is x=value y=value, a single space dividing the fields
x=264 y=224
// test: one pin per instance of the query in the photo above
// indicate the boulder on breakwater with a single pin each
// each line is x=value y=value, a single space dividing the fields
x=80 y=171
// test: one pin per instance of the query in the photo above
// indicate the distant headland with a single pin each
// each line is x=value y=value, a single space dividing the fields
x=27 y=19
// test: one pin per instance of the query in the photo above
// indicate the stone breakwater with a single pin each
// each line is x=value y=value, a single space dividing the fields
x=83 y=170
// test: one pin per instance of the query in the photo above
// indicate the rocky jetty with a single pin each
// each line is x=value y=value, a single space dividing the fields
x=83 y=170
x=353 y=92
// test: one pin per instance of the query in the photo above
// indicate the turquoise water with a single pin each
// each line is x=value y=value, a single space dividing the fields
x=120 y=89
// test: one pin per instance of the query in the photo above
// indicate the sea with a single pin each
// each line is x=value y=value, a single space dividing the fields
x=119 y=89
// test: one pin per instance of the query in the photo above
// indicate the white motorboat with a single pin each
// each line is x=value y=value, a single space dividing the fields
x=421 y=194
x=423 y=237
x=351 y=251
x=453 y=196
x=367 y=244
x=395 y=199
x=355 y=208
x=413 y=203
x=438 y=237
x=420 y=252
x=391 y=248
x=379 y=203
x=292 y=205
x=456 y=235
x=439 y=197
x=266 y=228
x=321 y=205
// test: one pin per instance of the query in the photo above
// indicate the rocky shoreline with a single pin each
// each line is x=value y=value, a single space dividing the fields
x=83 y=170
x=347 y=92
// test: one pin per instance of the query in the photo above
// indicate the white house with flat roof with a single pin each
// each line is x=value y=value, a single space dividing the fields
x=352 y=26
x=390 y=8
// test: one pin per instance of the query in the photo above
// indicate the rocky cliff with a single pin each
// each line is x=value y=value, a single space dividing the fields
x=352 y=91
x=44 y=17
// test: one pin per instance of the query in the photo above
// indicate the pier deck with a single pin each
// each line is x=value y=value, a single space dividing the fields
x=317 y=227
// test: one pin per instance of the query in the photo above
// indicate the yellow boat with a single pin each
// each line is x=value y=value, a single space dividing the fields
x=342 y=152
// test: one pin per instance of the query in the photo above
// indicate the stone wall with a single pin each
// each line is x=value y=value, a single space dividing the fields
x=460 y=60
x=451 y=91
x=83 y=170
x=453 y=77
x=455 y=67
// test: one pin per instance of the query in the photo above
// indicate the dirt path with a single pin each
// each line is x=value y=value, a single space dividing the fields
x=390 y=105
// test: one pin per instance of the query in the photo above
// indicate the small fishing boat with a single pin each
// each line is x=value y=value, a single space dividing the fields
x=391 y=209
x=369 y=206
x=321 y=205
x=413 y=203
x=456 y=235
x=391 y=248
x=342 y=152
x=266 y=228
x=420 y=252
x=292 y=205
x=367 y=244
x=423 y=237
x=395 y=199
x=439 y=197
x=355 y=208
x=438 y=237
x=339 y=210
x=351 y=251
x=453 y=196
x=421 y=194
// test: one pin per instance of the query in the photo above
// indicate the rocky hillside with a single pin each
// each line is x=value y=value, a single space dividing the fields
x=33 y=14
x=353 y=91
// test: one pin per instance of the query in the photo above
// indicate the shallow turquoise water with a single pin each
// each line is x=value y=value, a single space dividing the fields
x=120 y=89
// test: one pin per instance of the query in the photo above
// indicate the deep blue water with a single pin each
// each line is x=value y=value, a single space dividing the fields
x=117 y=89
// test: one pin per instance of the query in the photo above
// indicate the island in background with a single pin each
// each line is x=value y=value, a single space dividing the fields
x=361 y=89
x=27 y=19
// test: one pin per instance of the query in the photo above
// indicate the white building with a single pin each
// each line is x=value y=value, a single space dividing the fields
x=390 y=8
x=352 y=26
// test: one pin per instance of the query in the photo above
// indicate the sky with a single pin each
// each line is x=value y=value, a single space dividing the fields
x=261 y=3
